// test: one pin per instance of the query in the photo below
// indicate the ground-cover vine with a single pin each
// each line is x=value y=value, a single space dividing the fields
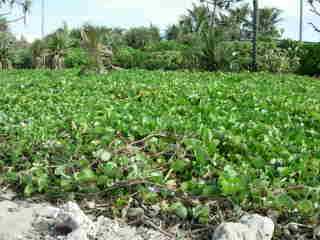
x=251 y=138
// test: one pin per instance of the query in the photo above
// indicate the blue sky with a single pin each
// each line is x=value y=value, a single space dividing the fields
x=128 y=13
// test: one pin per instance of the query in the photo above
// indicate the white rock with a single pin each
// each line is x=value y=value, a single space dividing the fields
x=21 y=220
x=263 y=225
x=234 y=231
x=70 y=216
x=316 y=232
x=250 y=227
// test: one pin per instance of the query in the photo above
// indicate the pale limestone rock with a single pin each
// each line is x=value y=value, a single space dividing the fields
x=250 y=227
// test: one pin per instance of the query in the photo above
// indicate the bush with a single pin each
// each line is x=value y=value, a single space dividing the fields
x=309 y=54
x=165 y=45
x=310 y=60
x=236 y=56
x=76 y=57
x=22 y=58
x=128 y=57
x=274 y=59
x=165 y=60
x=140 y=37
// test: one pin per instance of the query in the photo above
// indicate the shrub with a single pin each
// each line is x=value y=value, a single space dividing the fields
x=141 y=36
x=309 y=54
x=22 y=58
x=165 y=46
x=236 y=56
x=165 y=60
x=128 y=57
x=310 y=60
x=76 y=57
x=274 y=59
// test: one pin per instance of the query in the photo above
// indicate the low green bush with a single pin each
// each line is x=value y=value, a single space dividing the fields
x=22 y=58
x=139 y=37
x=251 y=140
x=76 y=57
x=309 y=54
x=236 y=56
x=165 y=60
x=165 y=46
x=128 y=57
x=310 y=60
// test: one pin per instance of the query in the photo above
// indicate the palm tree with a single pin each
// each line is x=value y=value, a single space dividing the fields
x=58 y=43
x=99 y=55
x=3 y=25
x=39 y=54
x=315 y=5
x=24 y=5
x=235 y=20
x=172 y=32
x=6 y=42
x=268 y=20
x=255 y=26
x=215 y=6
x=196 y=20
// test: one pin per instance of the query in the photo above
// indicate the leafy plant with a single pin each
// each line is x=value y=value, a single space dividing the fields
x=99 y=56
x=167 y=137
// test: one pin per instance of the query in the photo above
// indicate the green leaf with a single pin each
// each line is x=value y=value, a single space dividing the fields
x=43 y=182
x=201 y=213
x=180 y=210
x=180 y=165
x=28 y=190
x=111 y=170
x=86 y=175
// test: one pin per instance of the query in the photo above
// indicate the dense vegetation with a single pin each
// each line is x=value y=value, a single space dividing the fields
x=202 y=39
x=251 y=138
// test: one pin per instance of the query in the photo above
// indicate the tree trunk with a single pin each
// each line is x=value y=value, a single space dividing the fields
x=254 y=35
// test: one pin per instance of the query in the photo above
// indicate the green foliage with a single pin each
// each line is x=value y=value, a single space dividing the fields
x=22 y=58
x=99 y=55
x=236 y=56
x=153 y=60
x=75 y=58
x=310 y=59
x=308 y=53
x=141 y=36
x=6 y=50
x=251 y=138
x=179 y=209
x=165 y=45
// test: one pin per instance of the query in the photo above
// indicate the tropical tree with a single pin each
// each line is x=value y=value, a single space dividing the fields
x=99 y=54
x=6 y=46
x=196 y=20
x=6 y=5
x=216 y=6
x=58 y=44
x=139 y=37
x=172 y=32
x=268 y=20
x=39 y=54
x=4 y=27
x=315 y=8
x=234 y=22
x=255 y=25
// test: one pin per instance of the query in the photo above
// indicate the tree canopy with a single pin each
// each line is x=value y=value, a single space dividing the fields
x=6 y=8
x=315 y=5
